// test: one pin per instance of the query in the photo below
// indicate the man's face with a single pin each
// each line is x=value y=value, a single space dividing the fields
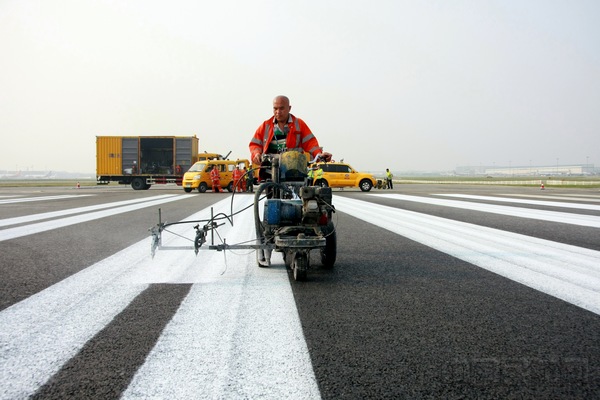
x=281 y=109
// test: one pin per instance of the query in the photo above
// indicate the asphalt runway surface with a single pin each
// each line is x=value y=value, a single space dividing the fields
x=438 y=291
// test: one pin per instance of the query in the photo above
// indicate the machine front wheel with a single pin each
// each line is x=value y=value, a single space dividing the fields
x=300 y=266
x=329 y=253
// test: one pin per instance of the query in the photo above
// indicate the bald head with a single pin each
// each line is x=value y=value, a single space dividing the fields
x=281 y=108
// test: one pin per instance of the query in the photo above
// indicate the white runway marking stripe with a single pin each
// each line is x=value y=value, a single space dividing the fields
x=31 y=229
x=567 y=272
x=237 y=334
x=42 y=198
x=544 y=215
x=79 y=210
x=562 y=204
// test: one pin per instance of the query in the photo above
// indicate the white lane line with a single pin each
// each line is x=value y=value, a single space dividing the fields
x=42 y=216
x=580 y=197
x=31 y=229
x=532 y=202
x=236 y=335
x=544 y=215
x=237 y=316
x=567 y=272
x=43 y=198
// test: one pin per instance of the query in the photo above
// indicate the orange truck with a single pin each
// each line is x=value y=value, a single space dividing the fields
x=143 y=161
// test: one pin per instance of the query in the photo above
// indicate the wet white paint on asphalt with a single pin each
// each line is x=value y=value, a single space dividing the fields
x=567 y=272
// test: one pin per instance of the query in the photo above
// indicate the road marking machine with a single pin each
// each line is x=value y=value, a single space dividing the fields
x=296 y=218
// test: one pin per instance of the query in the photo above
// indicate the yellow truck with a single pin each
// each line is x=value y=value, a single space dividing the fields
x=142 y=161
x=198 y=176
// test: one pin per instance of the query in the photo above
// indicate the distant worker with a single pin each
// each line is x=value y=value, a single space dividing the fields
x=244 y=179
x=388 y=177
x=215 y=177
x=250 y=181
x=284 y=132
x=311 y=176
x=237 y=179
x=318 y=176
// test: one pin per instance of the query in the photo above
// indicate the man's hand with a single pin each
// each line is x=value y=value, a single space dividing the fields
x=257 y=158
x=325 y=156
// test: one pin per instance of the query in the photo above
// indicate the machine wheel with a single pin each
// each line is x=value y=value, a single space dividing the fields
x=329 y=253
x=365 y=185
x=187 y=190
x=138 y=184
x=202 y=187
x=300 y=266
x=288 y=258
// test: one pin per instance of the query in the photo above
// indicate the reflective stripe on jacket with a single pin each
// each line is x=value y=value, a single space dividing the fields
x=299 y=137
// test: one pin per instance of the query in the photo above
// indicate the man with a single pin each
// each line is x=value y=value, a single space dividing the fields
x=215 y=177
x=244 y=179
x=282 y=132
x=318 y=176
x=237 y=177
x=250 y=181
x=388 y=177
x=311 y=176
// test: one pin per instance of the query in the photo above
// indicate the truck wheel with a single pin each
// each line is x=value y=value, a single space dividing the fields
x=138 y=184
x=187 y=190
x=230 y=187
x=202 y=188
x=329 y=253
x=365 y=185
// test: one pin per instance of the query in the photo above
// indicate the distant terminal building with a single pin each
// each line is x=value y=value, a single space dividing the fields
x=572 y=169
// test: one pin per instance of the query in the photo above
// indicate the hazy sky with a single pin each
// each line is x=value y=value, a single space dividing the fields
x=405 y=85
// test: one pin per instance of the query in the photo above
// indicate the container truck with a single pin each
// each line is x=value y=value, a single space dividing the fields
x=142 y=161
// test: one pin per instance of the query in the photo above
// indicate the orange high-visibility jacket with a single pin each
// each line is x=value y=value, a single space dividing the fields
x=214 y=174
x=237 y=174
x=299 y=137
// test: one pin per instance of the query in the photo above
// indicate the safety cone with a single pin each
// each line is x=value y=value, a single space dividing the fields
x=542 y=187
x=78 y=185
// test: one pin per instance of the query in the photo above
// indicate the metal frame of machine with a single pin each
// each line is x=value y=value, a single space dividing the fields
x=297 y=218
